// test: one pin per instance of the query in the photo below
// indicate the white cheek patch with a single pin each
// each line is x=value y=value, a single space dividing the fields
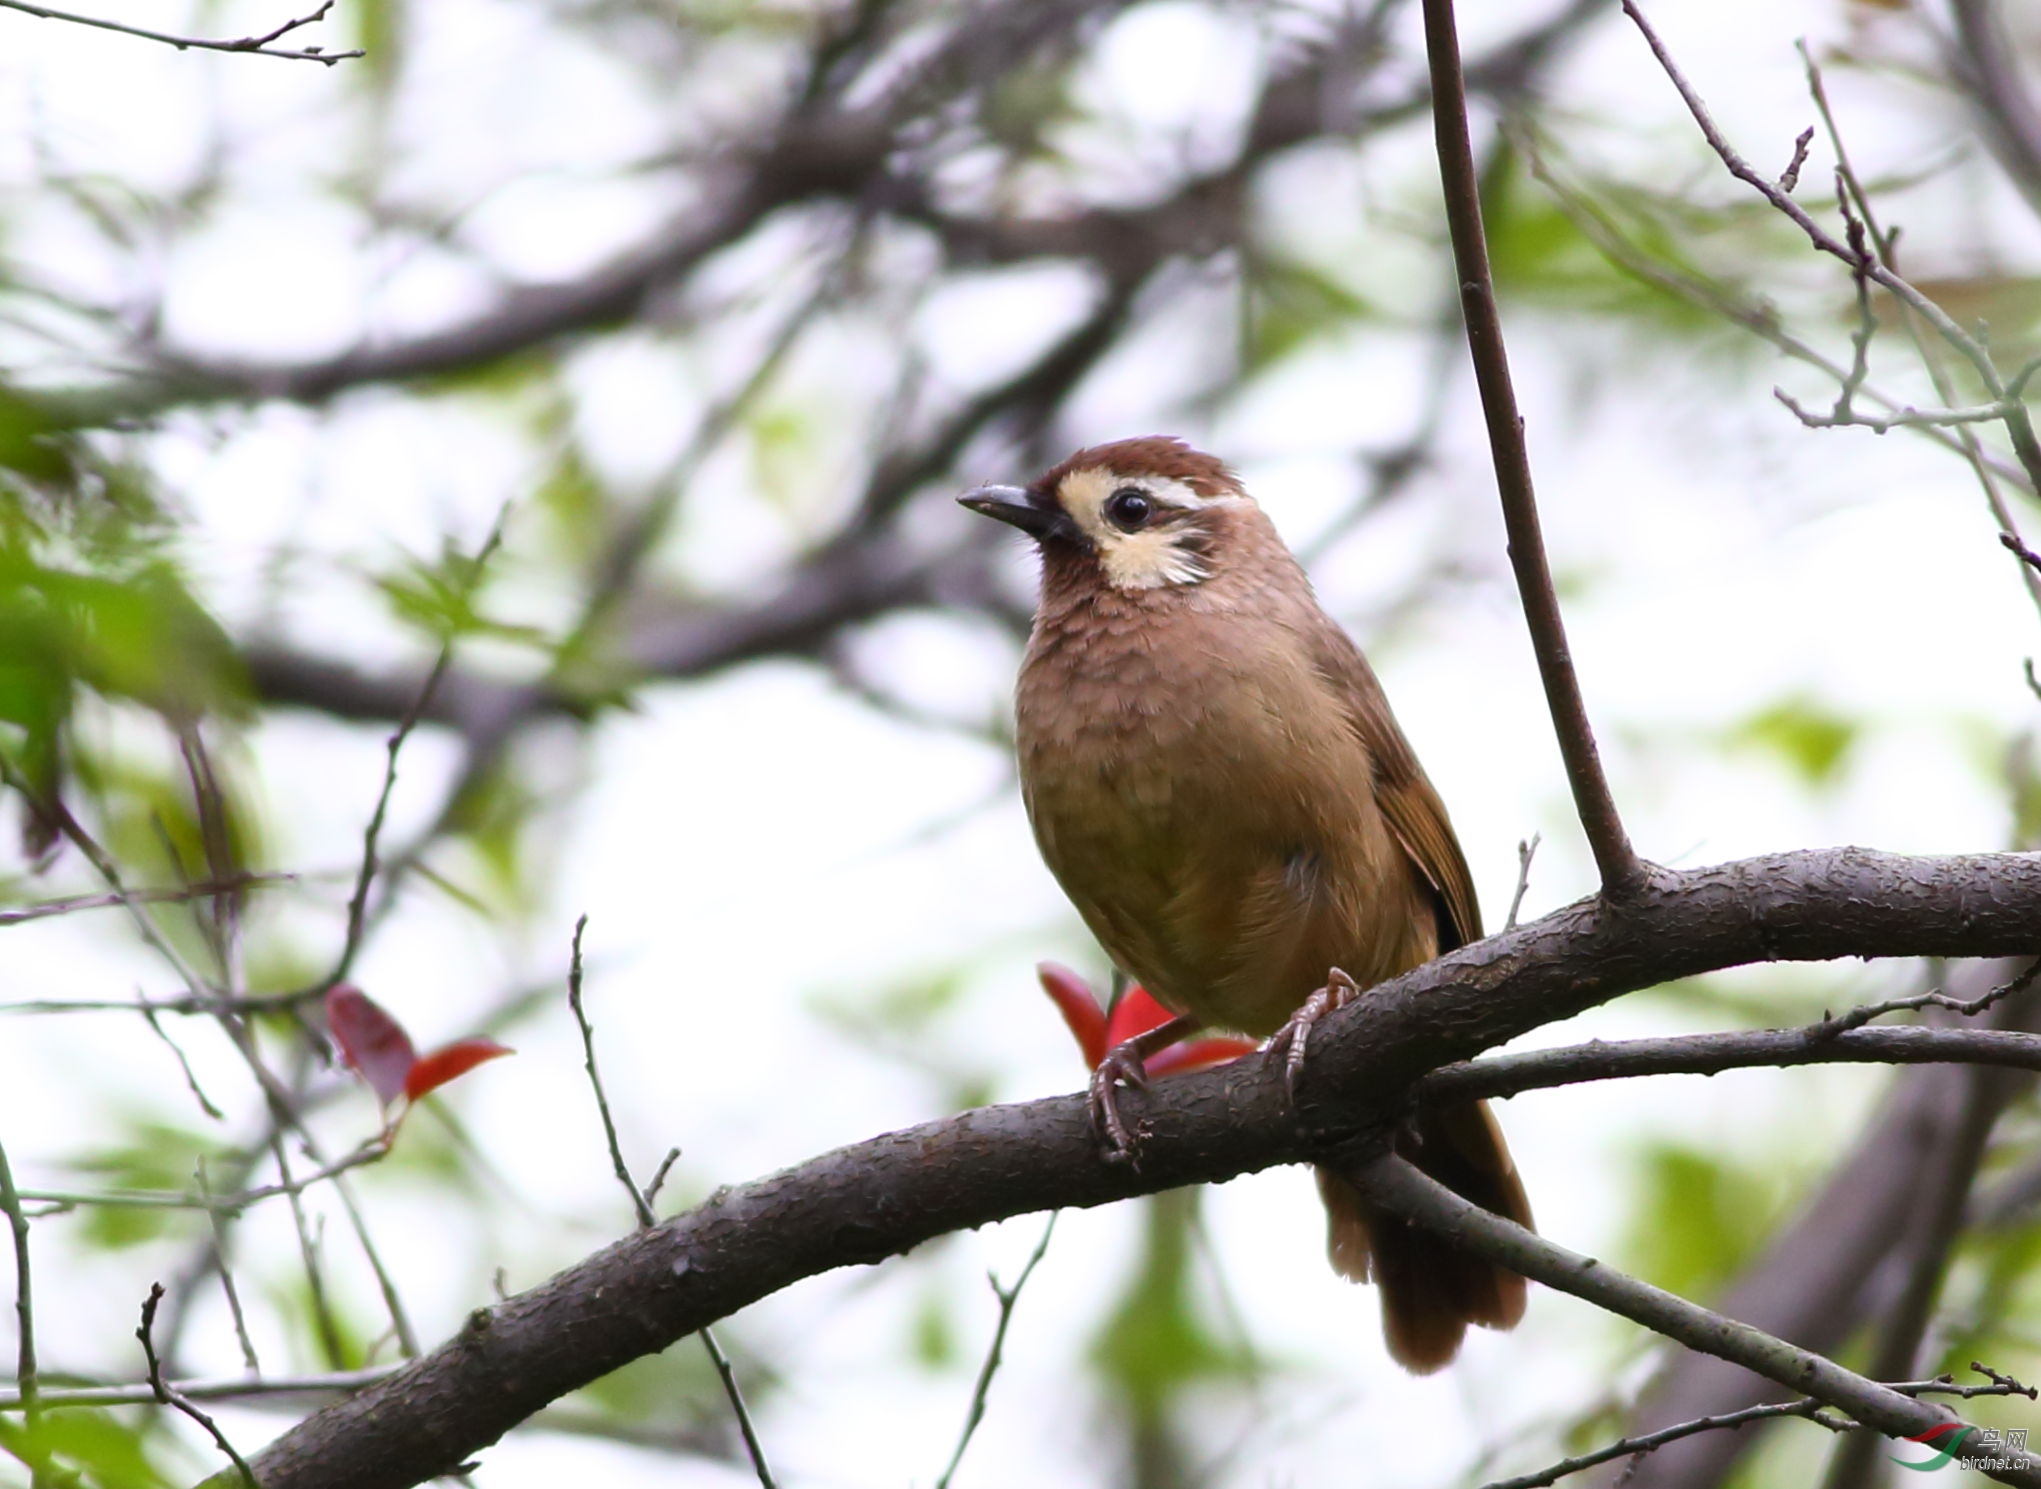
x=1151 y=557
x=1150 y=560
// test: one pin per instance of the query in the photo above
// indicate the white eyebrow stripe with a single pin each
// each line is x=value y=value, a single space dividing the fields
x=1165 y=489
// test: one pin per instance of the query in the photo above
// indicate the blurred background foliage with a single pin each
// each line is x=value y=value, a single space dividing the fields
x=570 y=392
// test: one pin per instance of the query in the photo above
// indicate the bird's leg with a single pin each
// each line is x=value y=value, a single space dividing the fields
x=1339 y=990
x=1126 y=1064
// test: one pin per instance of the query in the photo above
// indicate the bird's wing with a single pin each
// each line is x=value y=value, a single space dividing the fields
x=1408 y=800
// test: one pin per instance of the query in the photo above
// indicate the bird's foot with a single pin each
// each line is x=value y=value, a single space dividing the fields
x=1293 y=1038
x=1126 y=1064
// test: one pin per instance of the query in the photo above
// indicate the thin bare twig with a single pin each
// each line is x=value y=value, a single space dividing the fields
x=659 y=1175
x=226 y=1271
x=1806 y=1407
x=167 y=1395
x=1739 y=1049
x=1527 y=849
x=1650 y=1442
x=1622 y=872
x=1844 y=417
x=641 y=1203
x=258 y=46
x=26 y=1381
x=45 y=909
x=155 y=1023
x=1857 y=1017
x=1007 y=1296
x=1594 y=223
x=2017 y=421
x=727 y=1374
x=92 y=1397
x=1885 y=243
x=365 y=876
x=1789 y=178
x=323 y=1319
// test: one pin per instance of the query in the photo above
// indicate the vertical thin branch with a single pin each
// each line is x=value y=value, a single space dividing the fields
x=183 y=1062
x=643 y=1207
x=386 y=1285
x=641 y=1203
x=1007 y=1296
x=24 y=1293
x=226 y=1271
x=308 y=1253
x=1527 y=849
x=219 y=915
x=365 y=876
x=1622 y=872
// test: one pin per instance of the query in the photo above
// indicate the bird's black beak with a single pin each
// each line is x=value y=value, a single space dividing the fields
x=1012 y=505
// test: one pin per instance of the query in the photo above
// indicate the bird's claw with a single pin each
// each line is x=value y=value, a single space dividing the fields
x=1122 y=1065
x=1294 y=1036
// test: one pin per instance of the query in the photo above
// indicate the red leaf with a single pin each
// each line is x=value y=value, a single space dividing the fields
x=1073 y=997
x=1136 y=1013
x=372 y=1043
x=433 y=1070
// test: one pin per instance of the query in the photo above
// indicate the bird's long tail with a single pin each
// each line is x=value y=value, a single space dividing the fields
x=1430 y=1290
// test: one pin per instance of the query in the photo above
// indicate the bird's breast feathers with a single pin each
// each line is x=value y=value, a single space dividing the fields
x=1207 y=808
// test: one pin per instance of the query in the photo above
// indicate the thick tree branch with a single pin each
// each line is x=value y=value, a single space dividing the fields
x=879 y=1198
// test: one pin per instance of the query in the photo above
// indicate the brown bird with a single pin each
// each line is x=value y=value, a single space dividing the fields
x=1215 y=779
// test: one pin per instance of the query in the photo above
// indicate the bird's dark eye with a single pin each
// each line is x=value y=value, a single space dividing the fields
x=1129 y=508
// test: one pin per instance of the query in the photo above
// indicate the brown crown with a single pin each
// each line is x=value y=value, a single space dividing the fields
x=1151 y=455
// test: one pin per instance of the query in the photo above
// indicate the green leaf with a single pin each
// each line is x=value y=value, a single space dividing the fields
x=1290 y=304
x=934 y=1331
x=1698 y=1219
x=107 y=1452
x=443 y=598
x=680 y=1382
x=1813 y=740
x=576 y=506
x=31 y=444
x=155 y=1157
